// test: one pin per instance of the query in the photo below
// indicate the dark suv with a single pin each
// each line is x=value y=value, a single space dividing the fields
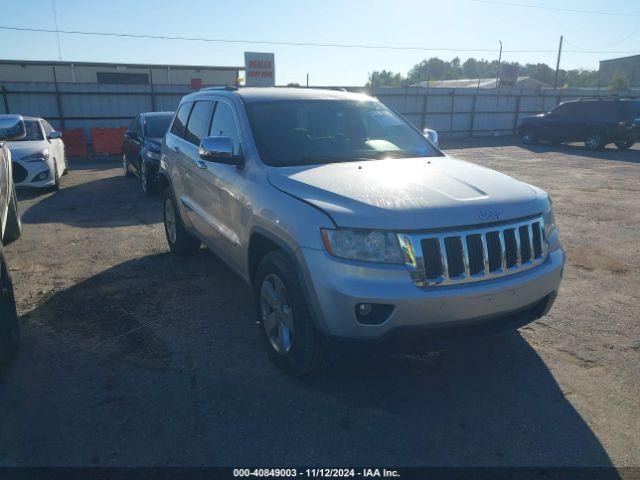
x=596 y=121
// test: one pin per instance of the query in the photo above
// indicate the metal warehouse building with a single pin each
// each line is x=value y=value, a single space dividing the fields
x=116 y=73
x=628 y=66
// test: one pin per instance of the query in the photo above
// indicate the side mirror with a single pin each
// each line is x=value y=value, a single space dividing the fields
x=219 y=150
x=12 y=128
x=55 y=134
x=431 y=135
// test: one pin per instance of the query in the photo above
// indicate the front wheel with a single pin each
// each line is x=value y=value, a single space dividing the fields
x=148 y=186
x=290 y=337
x=9 y=329
x=594 y=141
x=626 y=145
x=180 y=241
x=125 y=166
x=528 y=137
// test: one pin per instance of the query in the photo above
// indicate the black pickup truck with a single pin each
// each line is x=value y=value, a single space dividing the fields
x=11 y=128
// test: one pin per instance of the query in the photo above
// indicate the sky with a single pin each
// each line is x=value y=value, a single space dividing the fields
x=612 y=31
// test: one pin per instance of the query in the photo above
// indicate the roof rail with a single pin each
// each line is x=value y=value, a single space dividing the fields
x=231 y=88
x=609 y=97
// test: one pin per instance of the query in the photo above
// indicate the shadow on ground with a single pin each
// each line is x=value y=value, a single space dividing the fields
x=107 y=202
x=609 y=153
x=163 y=351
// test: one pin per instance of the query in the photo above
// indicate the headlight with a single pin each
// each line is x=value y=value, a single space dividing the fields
x=42 y=156
x=153 y=155
x=366 y=245
x=549 y=222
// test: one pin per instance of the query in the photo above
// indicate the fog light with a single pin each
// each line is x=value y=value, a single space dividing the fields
x=365 y=309
x=41 y=176
x=373 y=313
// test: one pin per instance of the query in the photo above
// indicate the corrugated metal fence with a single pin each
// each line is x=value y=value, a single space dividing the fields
x=453 y=112
x=476 y=112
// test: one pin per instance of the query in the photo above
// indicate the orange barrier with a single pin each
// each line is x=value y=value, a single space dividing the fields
x=75 y=142
x=107 y=141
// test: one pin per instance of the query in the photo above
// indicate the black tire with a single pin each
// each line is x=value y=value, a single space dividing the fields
x=594 y=140
x=626 y=145
x=56 y=177
x=147 y=184
x=180 y=242
x=125 y=167
x=9 y=328
x=13 y=229
x=310 y=350
x=555 y=142
x=529 y=137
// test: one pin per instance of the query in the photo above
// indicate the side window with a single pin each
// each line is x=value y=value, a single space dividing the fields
x=180 y=122
x=561 y=111
x=199 y=121
x=224 y=125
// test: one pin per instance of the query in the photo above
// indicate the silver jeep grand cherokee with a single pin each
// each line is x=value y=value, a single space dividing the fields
x=349 y=224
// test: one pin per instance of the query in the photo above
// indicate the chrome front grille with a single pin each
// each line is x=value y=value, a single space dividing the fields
x=470 y=255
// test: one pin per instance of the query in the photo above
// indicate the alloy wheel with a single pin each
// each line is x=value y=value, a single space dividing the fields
x=593 y=141
x=276 y=313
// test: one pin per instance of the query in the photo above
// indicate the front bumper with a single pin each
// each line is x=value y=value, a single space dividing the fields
x=25 y=174
x=339 y=286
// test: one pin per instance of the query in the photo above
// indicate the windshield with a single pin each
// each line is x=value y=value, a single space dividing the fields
x=327 y=131
x=156 y=126
x=34 y=132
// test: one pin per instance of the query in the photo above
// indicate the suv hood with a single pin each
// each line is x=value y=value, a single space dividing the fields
x=410 y=193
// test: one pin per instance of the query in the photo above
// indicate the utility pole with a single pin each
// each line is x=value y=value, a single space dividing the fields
x=499 y=63
x=307 y=80
x=555 y=82
x=55 y=22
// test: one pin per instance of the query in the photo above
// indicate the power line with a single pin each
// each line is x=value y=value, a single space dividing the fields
x=626 y=37
x=295 y=44
x=557 y=9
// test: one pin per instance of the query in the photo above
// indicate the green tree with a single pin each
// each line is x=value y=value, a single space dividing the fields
x=619 y=82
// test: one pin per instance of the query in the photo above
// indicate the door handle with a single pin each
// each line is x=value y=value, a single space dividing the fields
x=200 y=164
x=175 y=149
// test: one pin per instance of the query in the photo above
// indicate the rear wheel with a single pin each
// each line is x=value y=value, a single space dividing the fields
x=290 y=337
x=13 y=229
x=9 y=329
x=594 y=140
x=180 y=241
x=624 y=145
x=528 y=137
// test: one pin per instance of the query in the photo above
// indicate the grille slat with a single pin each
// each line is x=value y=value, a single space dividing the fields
x=511 y=248
x=475 y=255
x=536 y=234
x=495 y=251
x=455 y=256
x=525 y=243
x=432 y=258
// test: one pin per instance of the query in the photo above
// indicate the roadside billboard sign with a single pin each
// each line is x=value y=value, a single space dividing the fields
x=259 y=69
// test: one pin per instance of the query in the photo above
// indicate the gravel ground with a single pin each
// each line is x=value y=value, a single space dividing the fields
x=133 y=357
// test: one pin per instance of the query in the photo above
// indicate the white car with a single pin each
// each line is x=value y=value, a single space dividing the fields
x=39 y=158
